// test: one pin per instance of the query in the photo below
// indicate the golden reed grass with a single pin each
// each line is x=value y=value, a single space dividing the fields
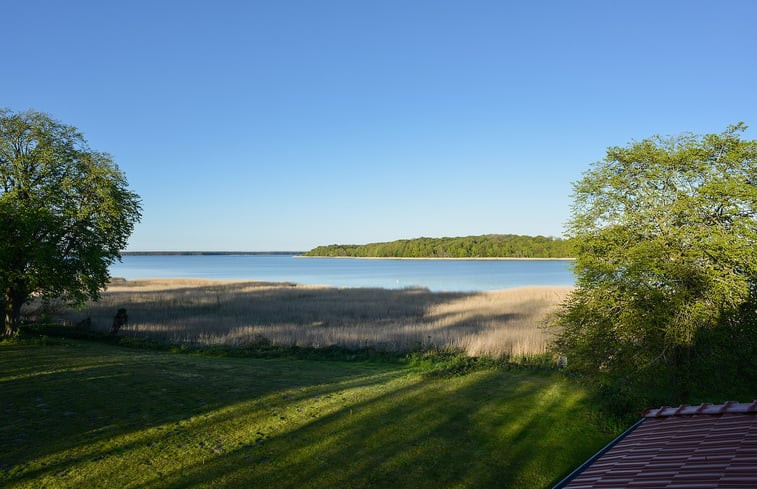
x=506 y=322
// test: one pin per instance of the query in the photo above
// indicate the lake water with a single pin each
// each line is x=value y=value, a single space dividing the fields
x=436 y=275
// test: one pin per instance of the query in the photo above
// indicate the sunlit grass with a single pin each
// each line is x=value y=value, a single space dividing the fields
x=91 y=415
x=500 y=323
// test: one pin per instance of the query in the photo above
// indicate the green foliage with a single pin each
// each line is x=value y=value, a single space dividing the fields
x=65 y=212
x=486 y=246
x=723 y=363
x=664 y=232
x=450 y=363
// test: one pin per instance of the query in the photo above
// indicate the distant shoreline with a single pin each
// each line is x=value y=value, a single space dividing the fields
x=210 y=253
x=301 y=254
x=469 y=258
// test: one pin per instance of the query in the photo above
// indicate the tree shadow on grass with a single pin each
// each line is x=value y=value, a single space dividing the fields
x=462 y=432
x=88 y=401
x=120 y=418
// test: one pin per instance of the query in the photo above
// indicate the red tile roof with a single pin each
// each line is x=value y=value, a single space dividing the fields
x=706 y=408
x=689 y=447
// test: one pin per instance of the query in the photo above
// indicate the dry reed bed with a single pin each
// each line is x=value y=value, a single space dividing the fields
x=506 y=322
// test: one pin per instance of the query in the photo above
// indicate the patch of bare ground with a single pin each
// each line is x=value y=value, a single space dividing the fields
x=506 y=322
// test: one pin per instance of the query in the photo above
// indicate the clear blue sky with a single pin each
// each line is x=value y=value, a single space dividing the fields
x=282 y=125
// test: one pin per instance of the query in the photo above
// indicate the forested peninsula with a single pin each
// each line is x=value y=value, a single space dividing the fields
x=485 y=246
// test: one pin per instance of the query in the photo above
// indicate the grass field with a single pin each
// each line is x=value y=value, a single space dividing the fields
x=83 y=414
x=501 y=323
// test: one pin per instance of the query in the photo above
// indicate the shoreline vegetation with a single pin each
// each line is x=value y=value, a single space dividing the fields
x=483 y=247
x=497 y=324
x=489 y=246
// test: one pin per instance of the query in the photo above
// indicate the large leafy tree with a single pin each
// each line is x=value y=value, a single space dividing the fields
x=65 y=213
x=664 y=233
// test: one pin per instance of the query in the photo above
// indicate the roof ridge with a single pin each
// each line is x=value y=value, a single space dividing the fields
x=729 y=407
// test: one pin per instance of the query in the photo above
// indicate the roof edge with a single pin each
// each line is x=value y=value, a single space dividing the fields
x=596 y=456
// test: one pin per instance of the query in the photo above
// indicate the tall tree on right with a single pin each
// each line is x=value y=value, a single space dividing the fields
x=665 y=235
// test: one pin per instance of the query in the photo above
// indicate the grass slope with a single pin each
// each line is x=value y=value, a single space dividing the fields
x=81 y=414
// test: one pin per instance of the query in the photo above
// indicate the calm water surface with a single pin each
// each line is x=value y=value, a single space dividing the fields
x=436 y=275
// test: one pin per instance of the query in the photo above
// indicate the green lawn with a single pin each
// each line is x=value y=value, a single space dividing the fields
x=81 y=414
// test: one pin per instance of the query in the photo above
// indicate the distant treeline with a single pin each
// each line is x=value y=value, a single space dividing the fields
x=487 y=246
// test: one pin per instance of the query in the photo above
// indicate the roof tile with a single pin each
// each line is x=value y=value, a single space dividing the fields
x=704 y=408
x=685 y=447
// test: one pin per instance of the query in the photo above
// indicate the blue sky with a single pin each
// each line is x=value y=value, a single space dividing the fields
x=283 y=125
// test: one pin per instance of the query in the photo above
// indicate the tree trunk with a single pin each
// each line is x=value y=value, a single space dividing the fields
x=12 y=304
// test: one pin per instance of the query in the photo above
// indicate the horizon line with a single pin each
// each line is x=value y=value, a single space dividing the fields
x=210 y=252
